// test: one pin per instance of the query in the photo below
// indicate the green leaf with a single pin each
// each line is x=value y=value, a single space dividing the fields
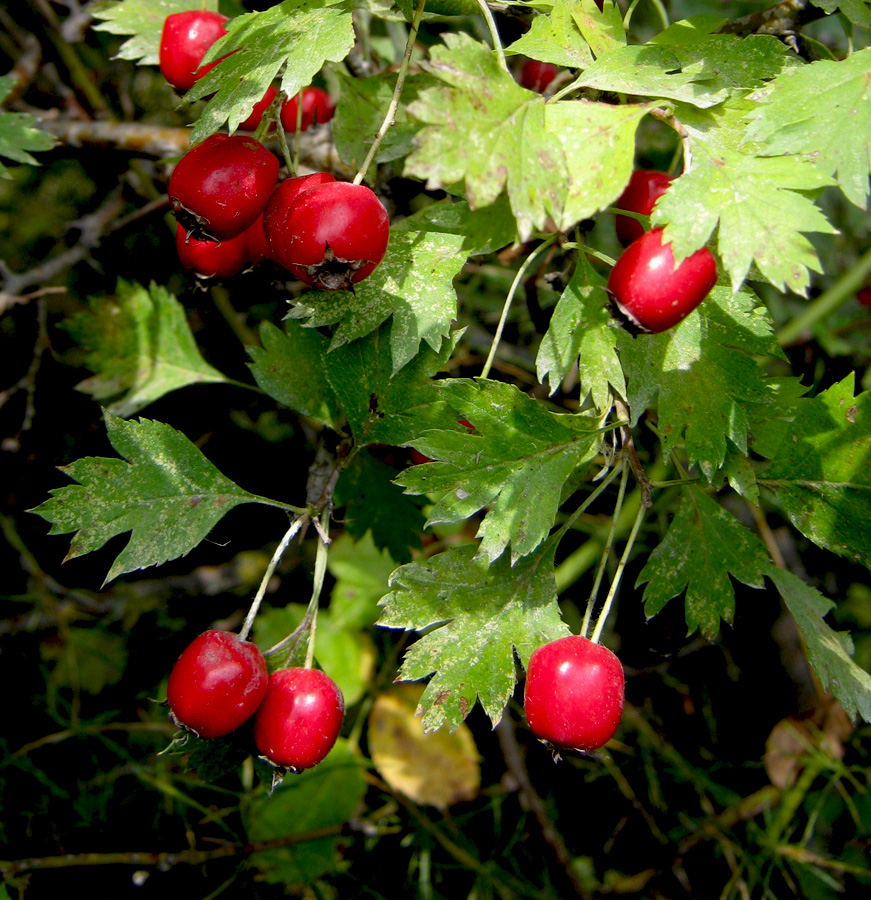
x=602 y=29
x=375 y=505
x=163 y=491
x=383 y=407
x=725 y=61
x=483 y=230
x=703 y=546
x=413 y=284
x=762 y=217
x=516 y=462
x=581 y=331
x=821 y=474
x=490 y=138
x=361 y=113
x=362 y=572
x=327 y=795
x=598 y=143
x=143 y=19
x=476 y=619
x=706 y=379
x=554 y=38
x=822 y=111
x=140 y=346
x=855 y=10
x=829 y=651
x=299 y=35
x=649 y=71
x=290 y=367
x=18 y=132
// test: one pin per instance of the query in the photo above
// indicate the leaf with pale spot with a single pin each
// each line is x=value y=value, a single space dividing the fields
x=476 y=618
x=821 y=111
x=163 y=491
x=554 y=38
x=413 y=284
x=756 y=202
x=516 y=461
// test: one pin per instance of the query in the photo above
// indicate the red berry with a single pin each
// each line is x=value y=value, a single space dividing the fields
x=184 y=41
x=218 y=683
x=256 y=243
x=574 y=693
x=220 y=186
x=863 y=295
x=644 y=189
x=212 y=259
x=417 y=458
x=334 y=236
x=300 y=719
x=278 y=207
x=252 y=123
x=317 y=108
x=536 y=76
x=650 y=292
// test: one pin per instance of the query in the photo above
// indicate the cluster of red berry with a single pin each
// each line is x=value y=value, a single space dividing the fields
x=220 y=681
x=231 y=214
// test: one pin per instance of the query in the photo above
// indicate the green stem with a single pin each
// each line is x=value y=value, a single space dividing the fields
x=828 y=302
x=390 y=118
x=317 y=587
x=285 y=150
x=509 y=299
x=297 y=134
x=261 y=591
x=606 y=609
x=494 y=34
x=606 y=550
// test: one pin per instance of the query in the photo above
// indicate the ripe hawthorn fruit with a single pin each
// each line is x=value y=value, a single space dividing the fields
x=317 y=108
x=255 y=241
x=217 y=684
x=863 y=295
x=574 y=693
x=335 y=235
x=220 y=186
x=299 y=720
x=536 y=76
x=277 y=209
x=651 y=293
x=212 y=259
x=185 y=38
x=645 y=187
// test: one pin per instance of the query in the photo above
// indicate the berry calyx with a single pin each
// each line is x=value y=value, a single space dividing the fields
x=212 y=259
x=645 y=187
x=220 y=186
x=278 y=208
x=317 y=108
x=299 y=720
x=651 y=294
x=335 y=235
x=217 y=684
x=536 y=76
x=185 y=38
x=574 y=693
